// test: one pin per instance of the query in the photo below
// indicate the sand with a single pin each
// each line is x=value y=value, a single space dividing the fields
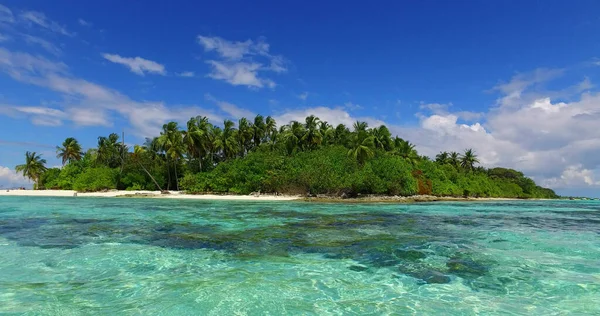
x=148 y=194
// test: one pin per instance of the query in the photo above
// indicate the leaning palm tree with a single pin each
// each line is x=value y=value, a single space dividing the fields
x=469 y=159
x=33 y=167
x=70 y=151
x=138 y=152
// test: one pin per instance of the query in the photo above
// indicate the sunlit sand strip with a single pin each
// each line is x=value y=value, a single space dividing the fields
x=150 y=194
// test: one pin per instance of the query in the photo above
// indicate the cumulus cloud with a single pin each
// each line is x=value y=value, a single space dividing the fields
x=9 y=178
x=241 y=63
x=333 y=116
x=556 y=143
x=40 y=19
x=137 y=65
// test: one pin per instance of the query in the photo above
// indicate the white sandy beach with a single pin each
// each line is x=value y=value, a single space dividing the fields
x=152 y=194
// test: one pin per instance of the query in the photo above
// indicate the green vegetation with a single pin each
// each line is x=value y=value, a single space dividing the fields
x=298 y=158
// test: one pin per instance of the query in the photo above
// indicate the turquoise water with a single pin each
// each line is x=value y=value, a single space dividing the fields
x=72 y=256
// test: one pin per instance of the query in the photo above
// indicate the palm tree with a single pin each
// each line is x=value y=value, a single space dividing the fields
x=442 y=158
x=33 y=167
x=312 y=137
x=244 y=135
x=362 y=143
x=270 y=127
x=469 y=159
x=341 y=135
x=259 y=130
x=138 y=152
x=171 y=143
x=70 y=151
x=194 y=138
x=110 y=151
x=382 y=137
x=292 y=135
x=405 y=150
x=229 y=141
x=454 y=159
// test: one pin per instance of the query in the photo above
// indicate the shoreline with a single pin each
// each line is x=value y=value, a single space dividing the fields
x=147 y=194
x=262 y=197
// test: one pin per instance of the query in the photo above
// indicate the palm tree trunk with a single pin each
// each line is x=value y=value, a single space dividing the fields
x=168 y=175
x=150 y=175
x=176 y=179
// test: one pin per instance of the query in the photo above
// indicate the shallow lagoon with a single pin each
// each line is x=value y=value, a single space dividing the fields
x=63 y=256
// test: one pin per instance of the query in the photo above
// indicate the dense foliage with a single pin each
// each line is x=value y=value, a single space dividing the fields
x=298 y=158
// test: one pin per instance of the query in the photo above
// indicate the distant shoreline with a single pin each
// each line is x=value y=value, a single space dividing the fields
x=252 y=197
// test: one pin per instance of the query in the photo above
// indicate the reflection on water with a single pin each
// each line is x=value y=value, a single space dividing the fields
x=175 y=257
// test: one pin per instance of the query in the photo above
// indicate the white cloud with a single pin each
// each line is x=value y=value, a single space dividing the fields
x=83 y=22
x=333 y=116
x=9 y=178
x=240 y=63
x=4 y=38
x=6 y=15
x=227 y=49
x=574 y=176
x=137 y=65
x=40 y=19
x=187 y=74
x=51 y=48
x=241 y=73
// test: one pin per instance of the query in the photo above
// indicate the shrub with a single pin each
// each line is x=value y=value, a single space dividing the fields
x=96 y=179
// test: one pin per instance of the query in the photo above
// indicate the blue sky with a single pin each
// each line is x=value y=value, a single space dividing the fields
x=515 y=80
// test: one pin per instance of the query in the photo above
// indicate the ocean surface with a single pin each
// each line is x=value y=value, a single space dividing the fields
x=119 y=256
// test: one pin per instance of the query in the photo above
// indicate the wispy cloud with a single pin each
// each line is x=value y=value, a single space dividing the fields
x=4 y=38
x=87 y=103
x=230 y=108
x=241 y=63
x=83 y=22
x=51 y=48
x=6 y=15
x=40 y=19
x=187 y=74
x=303 y=96
x=137 y=65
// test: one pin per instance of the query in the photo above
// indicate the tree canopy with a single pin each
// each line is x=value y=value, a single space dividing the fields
x=309 y=156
